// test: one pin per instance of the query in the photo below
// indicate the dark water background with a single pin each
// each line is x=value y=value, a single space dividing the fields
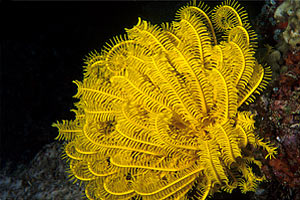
x=42 y=49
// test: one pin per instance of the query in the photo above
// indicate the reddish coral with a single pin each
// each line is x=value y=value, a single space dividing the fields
x=282 y=25
x=279 y=115
x=285 y=115
x=293 y=58
x=286 y=170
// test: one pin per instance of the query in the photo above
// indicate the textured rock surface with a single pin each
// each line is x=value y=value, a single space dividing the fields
x=289 y=12
x=45 y=177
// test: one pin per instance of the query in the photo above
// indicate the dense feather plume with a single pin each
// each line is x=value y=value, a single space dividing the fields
x=157 y=115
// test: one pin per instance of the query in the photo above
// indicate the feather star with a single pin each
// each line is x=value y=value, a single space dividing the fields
x=158 y=112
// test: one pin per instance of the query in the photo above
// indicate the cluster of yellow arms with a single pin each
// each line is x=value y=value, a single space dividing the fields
x=157 y=116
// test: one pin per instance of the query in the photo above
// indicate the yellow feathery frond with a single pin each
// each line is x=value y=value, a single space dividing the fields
x=165 y=186
x=235 y=62
x=201 y=12
x=250 y=181
x=209 y=157
x=245 y=128
x=135 y=124
x=125 y=159
x=114 y=141
x=68 y=130
x=117 y=184
x=171 y=135
x=142 y=90
x=158 y=112
x=102 y=168
x=258 y=82
x=268 y=147
x=225 y=96
x=138 y=58
x=79 y=112
x=251 y=160
x=170 y=32
x=196 y=82
x=96 y=190
x=150 y=36
x=240 y=36
x=97 y=89
x=172 y=85
x=225 y=135
x=244 y=72
x=195 y=35
x=243 y=36
x=246 y=120
x=81 y=171
x=230 y=15
x=98 y=112
x=203 y=188
x=71 y=152
x=95 y=66
x=116 y=53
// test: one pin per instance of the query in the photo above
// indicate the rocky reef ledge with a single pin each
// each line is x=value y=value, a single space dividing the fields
x=45 y=177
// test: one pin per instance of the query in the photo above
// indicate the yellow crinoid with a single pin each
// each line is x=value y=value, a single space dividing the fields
x=158 y=112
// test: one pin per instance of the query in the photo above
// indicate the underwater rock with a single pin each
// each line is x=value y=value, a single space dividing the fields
x=274 y=60
x=43 y=178
x=289 y=13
